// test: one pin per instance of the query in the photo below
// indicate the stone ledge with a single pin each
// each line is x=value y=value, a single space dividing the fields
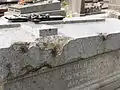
x=54 y=12
x=88 y=47
x=35 y=8
x=81 y=48
x=9 y=26
x=71 y=21
x=80 y=61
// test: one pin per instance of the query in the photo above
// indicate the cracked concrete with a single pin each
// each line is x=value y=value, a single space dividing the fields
x=79 y=54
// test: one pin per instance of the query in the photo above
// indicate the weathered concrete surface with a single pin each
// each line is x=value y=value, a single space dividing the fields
x=69 y=76
x=87 y=59
x=55 y=12
x=86 y=26
x=72 y=21
x=39 y=7
x=13 y=39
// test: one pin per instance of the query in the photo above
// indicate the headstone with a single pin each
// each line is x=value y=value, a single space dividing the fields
x=114 y=5
x=94 y=72
x=38 y=7
x=48 y=32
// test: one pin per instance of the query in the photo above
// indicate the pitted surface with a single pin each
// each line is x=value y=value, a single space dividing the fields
x=69 y=76
x=86 y=55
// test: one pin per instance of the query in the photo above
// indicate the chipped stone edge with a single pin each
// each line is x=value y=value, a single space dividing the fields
x=9 y=26
x=72 y=21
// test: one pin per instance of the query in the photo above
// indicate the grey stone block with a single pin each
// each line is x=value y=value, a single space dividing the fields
x=9 y=26
x=90 y=46
x=35 y=8
x=73 y=75
x=54 y=13
x=83 y=61
x=48 y=32
x=71 y=21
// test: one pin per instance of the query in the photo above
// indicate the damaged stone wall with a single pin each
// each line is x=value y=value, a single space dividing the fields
x=22 y=57
x=70 y=76
x=82 y=64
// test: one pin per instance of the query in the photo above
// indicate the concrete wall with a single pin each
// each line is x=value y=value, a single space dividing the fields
x=89 y=63
x=82 y=74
